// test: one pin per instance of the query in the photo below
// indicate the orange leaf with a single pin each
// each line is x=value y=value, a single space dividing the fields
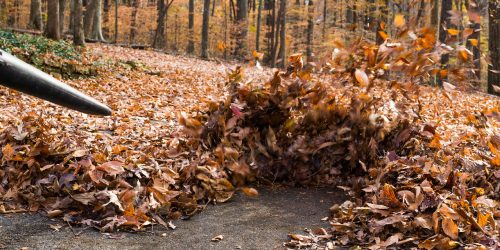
x=361 y=77
x=473 y=42
x=482 y=219
x=257 y=55
x=453 y=32
x=382 y=25
x=436 y=142
x=463 y=54
x=383 y=35
x=389 y=196
x=496 y=161
x=250 y=192
x=118 y=149
x=7 y=152
x=399 y=21
x=450 y=228
x=221 y=46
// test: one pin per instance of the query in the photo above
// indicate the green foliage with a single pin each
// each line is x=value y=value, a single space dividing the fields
x=59 y=57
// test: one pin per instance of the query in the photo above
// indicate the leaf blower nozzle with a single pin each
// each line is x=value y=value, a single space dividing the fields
x=18 y=75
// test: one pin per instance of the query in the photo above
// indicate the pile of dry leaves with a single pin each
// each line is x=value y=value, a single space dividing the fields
x=421 y=166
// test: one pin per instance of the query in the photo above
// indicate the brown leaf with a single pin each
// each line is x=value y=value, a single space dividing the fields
x=251 y=192
x=112 y=168
x=361 y=77
x=450 y=228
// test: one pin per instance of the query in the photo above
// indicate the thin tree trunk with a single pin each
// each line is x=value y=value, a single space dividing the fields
x=176 y=31
x=133 y=25
x=36 y=15
x=435 y=14
x=158 y=41
x=283 y=33
x=277 y=24
x=71 y=16
x=213 y=8
x=225 y=28
x=53 y=31
x=421 y=9
x=204 y=31
x=310 y=31
x=116 y=21
x=325 y=8
x=105 y=21
x=190 y=47
x=88 y=20
x=78 y=34
x=257 y=38
x=445 y=15
x=62 y=9
x=494 y=46
x=242 y=29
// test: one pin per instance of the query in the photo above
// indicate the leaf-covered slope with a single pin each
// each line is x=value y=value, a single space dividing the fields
x=420 y=164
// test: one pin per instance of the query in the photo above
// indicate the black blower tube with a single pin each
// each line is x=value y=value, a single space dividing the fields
x=25 y=78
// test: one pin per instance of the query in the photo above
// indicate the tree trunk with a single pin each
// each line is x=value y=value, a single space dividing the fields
x=78 y=34
x=53 y=31
x=275 y=38
x=62 y=8
x=190 y=46
x=283 y=33
x=158 y=41
x=494 y=46
x=36 y=15
x=88 y=20
x=445 y=15
x=204 y=31
x=420 y=12
x=97 y=23
x=435 y=14
x=71 y=16
x=257 y=38
x=310 y=31
x=325 y=8
x=242 y=29
x=105 y=21
x=133 y=24
x=116 y=20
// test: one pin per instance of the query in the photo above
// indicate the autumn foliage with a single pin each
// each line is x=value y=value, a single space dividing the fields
x=420 y=165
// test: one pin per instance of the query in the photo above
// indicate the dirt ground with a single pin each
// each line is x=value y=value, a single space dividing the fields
x=244 y=222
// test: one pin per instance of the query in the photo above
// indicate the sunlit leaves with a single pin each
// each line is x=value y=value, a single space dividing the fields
x=383 y=35
x=474 y=42
x=453 y=32
x=450 y=228
x=399 y=21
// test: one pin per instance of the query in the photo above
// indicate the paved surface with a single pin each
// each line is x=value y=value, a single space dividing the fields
x=245 y=223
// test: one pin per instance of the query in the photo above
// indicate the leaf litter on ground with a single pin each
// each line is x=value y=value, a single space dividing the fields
x=421 y=165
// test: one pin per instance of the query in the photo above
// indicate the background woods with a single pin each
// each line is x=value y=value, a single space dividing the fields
x=275 y=28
